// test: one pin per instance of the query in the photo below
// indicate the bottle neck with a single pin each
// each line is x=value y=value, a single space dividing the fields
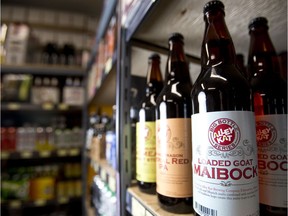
x=154 y=72
x=262 y=55
x=217 y=46
x=177 y=67
x=154 y=77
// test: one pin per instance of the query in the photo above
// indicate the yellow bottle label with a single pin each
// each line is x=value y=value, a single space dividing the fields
x=146 y=152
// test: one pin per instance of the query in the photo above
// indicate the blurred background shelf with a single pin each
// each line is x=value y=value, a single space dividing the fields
x=41 y=69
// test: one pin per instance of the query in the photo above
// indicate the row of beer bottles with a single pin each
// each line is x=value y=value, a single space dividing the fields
x=220 y=144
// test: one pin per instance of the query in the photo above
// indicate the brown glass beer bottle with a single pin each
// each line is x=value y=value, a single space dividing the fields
x=270 y=105
x=146 y=129
x=225 y=178
x=173 y=135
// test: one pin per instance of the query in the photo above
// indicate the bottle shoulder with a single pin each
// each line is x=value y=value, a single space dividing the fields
x=174 y=90
x=227 y=78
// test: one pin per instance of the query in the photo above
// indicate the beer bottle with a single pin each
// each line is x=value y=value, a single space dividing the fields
x=240 y=64
x=146 y=129
x=173 y=135
x=270 y=105
x=225 y=178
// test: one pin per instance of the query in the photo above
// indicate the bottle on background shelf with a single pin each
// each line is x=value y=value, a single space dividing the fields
x=146 y=128
x=225 y=174
x=270 y=105
x=173 y=132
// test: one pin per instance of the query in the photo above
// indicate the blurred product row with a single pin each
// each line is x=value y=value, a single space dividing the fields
x=40 y=90
x=41 y=182
x=101 y=138
x=29 y=138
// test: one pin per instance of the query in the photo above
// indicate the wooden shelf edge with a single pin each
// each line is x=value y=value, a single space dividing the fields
x=137 y=201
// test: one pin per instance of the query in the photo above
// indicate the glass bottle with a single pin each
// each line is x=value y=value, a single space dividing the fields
x=270 y=105
x=173 y=132
x=146 y=128
x=225 y=178
x=241 y=65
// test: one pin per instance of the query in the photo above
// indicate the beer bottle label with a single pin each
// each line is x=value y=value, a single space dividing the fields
x=146 y=151
x=173 y=166
x=225 y=173
x=271 y=134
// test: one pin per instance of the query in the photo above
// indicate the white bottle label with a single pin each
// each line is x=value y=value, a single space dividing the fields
x=271 y=131
x=225 y=173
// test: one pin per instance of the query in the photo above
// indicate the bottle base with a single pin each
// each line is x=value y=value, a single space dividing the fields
x=176 y=205
x=266 y=210
x=148 y=188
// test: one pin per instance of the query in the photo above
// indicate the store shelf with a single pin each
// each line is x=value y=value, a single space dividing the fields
x=106 y=93
x=14 y=106
x=17 y=204
x=51 y=27
x=138 y=14
x=57 y=153
x=141 y=204
x=186 y=17
x=108 y=11
x=41 y=69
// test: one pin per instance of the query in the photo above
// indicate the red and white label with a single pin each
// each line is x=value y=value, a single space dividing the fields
x=271 y=131
x=225 y=172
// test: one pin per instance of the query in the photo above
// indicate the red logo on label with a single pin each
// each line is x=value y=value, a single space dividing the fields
x=224 y=134
x=265 y=133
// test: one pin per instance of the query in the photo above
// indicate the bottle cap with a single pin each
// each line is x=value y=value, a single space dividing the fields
x=154 y=55
x=212 y=5
x=258 y=21
x=176 y=36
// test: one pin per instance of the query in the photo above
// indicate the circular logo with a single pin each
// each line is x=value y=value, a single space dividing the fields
x=224 y=134
x=265 y=133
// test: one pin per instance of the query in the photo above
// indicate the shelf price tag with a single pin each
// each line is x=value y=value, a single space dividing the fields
x=44 y=153
x=62 y=152
x=103 y=174
x=108 y=65
x=148 y=213
x=63 y=106
x=40 y=202
x=63 y=200
x=15 y=204
x=13 y=106
x=136 y=208
x=47 y=106
x=112 y=184
x=74 y=152
x=26 y=154
x=5 y=155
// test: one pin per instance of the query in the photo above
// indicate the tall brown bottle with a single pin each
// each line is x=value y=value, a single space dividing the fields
x=225 y=178
x=270 y=105
x=146 y=129
x=173 y=125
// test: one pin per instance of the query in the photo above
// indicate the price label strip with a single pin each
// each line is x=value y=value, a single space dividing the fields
x=26 y=154
x=74 y=152
x=5 y=155
x=62 y=152
x=47 y=106
x=112 y=184
x=103 y=174
x=63 y=200
x=137 y=208
x=63 y=106
x=13 y=106
x=15 y=204
x=45 y=154
x=40 y=202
